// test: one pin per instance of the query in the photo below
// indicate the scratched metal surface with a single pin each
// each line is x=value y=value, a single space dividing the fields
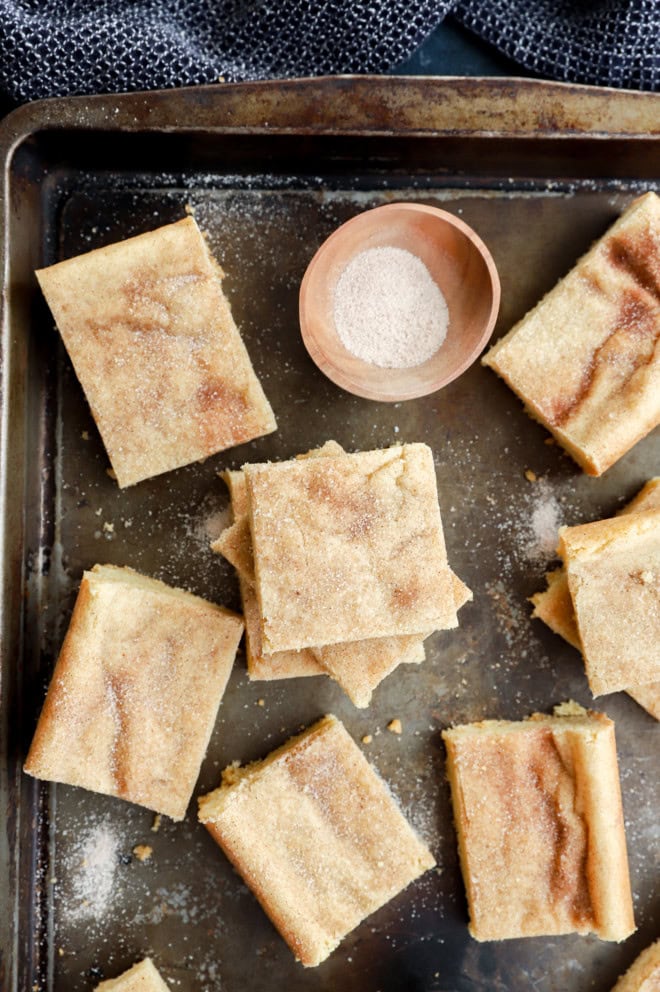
x=95 y=907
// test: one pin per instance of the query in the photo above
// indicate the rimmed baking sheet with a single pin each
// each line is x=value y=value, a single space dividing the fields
x=539 y=170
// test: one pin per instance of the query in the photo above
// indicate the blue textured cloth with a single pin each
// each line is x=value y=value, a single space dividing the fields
x=58 y=47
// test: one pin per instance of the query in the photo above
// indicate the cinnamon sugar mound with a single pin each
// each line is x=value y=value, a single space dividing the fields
x=388 y=311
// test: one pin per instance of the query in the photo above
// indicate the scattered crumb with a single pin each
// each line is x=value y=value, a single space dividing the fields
x=367 y=739
x=530 y=475
x=143 y=852
x=395 y=727
x=111 y=473
x=85 y=435
x=550 y=441
x=261 y=702
x=569 y=708
x=155 y=826
x=231 y=774
x=108 y=527
x=60 y=951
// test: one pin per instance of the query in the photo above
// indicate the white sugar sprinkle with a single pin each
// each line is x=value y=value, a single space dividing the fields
x=545 y=523
x=92 y=867
x=388 y=311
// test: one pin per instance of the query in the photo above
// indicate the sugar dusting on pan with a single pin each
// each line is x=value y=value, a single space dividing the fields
x=187 y=903
x=91 y=865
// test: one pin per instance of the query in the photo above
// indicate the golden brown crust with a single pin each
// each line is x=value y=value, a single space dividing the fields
x=586 y=360
x=154 y=345
x=349 y=548
x=538 y=813
x=360 y=666
x=644 y=973
x=555 y=607
x=142 y=977
x=135 y=691
x=316 y=835
x=613 y=569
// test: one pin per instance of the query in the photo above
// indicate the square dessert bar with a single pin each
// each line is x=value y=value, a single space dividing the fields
x=349 y=548
x=156 y=350
x=537 y=807
x=142 y=977
x=358 y=666
x=555 y=607
x=315 y=833
x=135 y=691
x=585 y=360
x=613 y=570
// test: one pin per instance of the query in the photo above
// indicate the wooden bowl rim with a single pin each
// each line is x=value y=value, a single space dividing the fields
x=336 y=374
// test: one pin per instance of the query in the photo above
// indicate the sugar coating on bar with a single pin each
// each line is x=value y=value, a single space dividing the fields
x=358 y=666
x=585 y=361
x=349 y=548
x=135 y=691
x=155 y=347
x=315 y=833
x=554 y=605
x=613 y=569
x=537 y=807
x=142 y=977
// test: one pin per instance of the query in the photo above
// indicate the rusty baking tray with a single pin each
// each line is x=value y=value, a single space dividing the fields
x=270 y=169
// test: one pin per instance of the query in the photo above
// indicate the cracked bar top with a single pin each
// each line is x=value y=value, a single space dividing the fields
x=155 y=347
x=537 y=807
x=135 y=691
x=349 y=548
x=586 y=360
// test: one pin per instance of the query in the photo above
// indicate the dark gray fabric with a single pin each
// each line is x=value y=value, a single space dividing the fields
x=58 y=47
x=609 y=42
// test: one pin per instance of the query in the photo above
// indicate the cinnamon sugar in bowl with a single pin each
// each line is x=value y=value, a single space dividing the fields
x=415 y=325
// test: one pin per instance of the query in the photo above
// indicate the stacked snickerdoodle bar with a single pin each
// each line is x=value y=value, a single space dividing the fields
x=342 y=564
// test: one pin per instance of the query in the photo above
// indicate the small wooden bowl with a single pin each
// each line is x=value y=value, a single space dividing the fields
x=461 y=266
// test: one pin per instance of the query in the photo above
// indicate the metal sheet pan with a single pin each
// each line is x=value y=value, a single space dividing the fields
x=270 y=169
